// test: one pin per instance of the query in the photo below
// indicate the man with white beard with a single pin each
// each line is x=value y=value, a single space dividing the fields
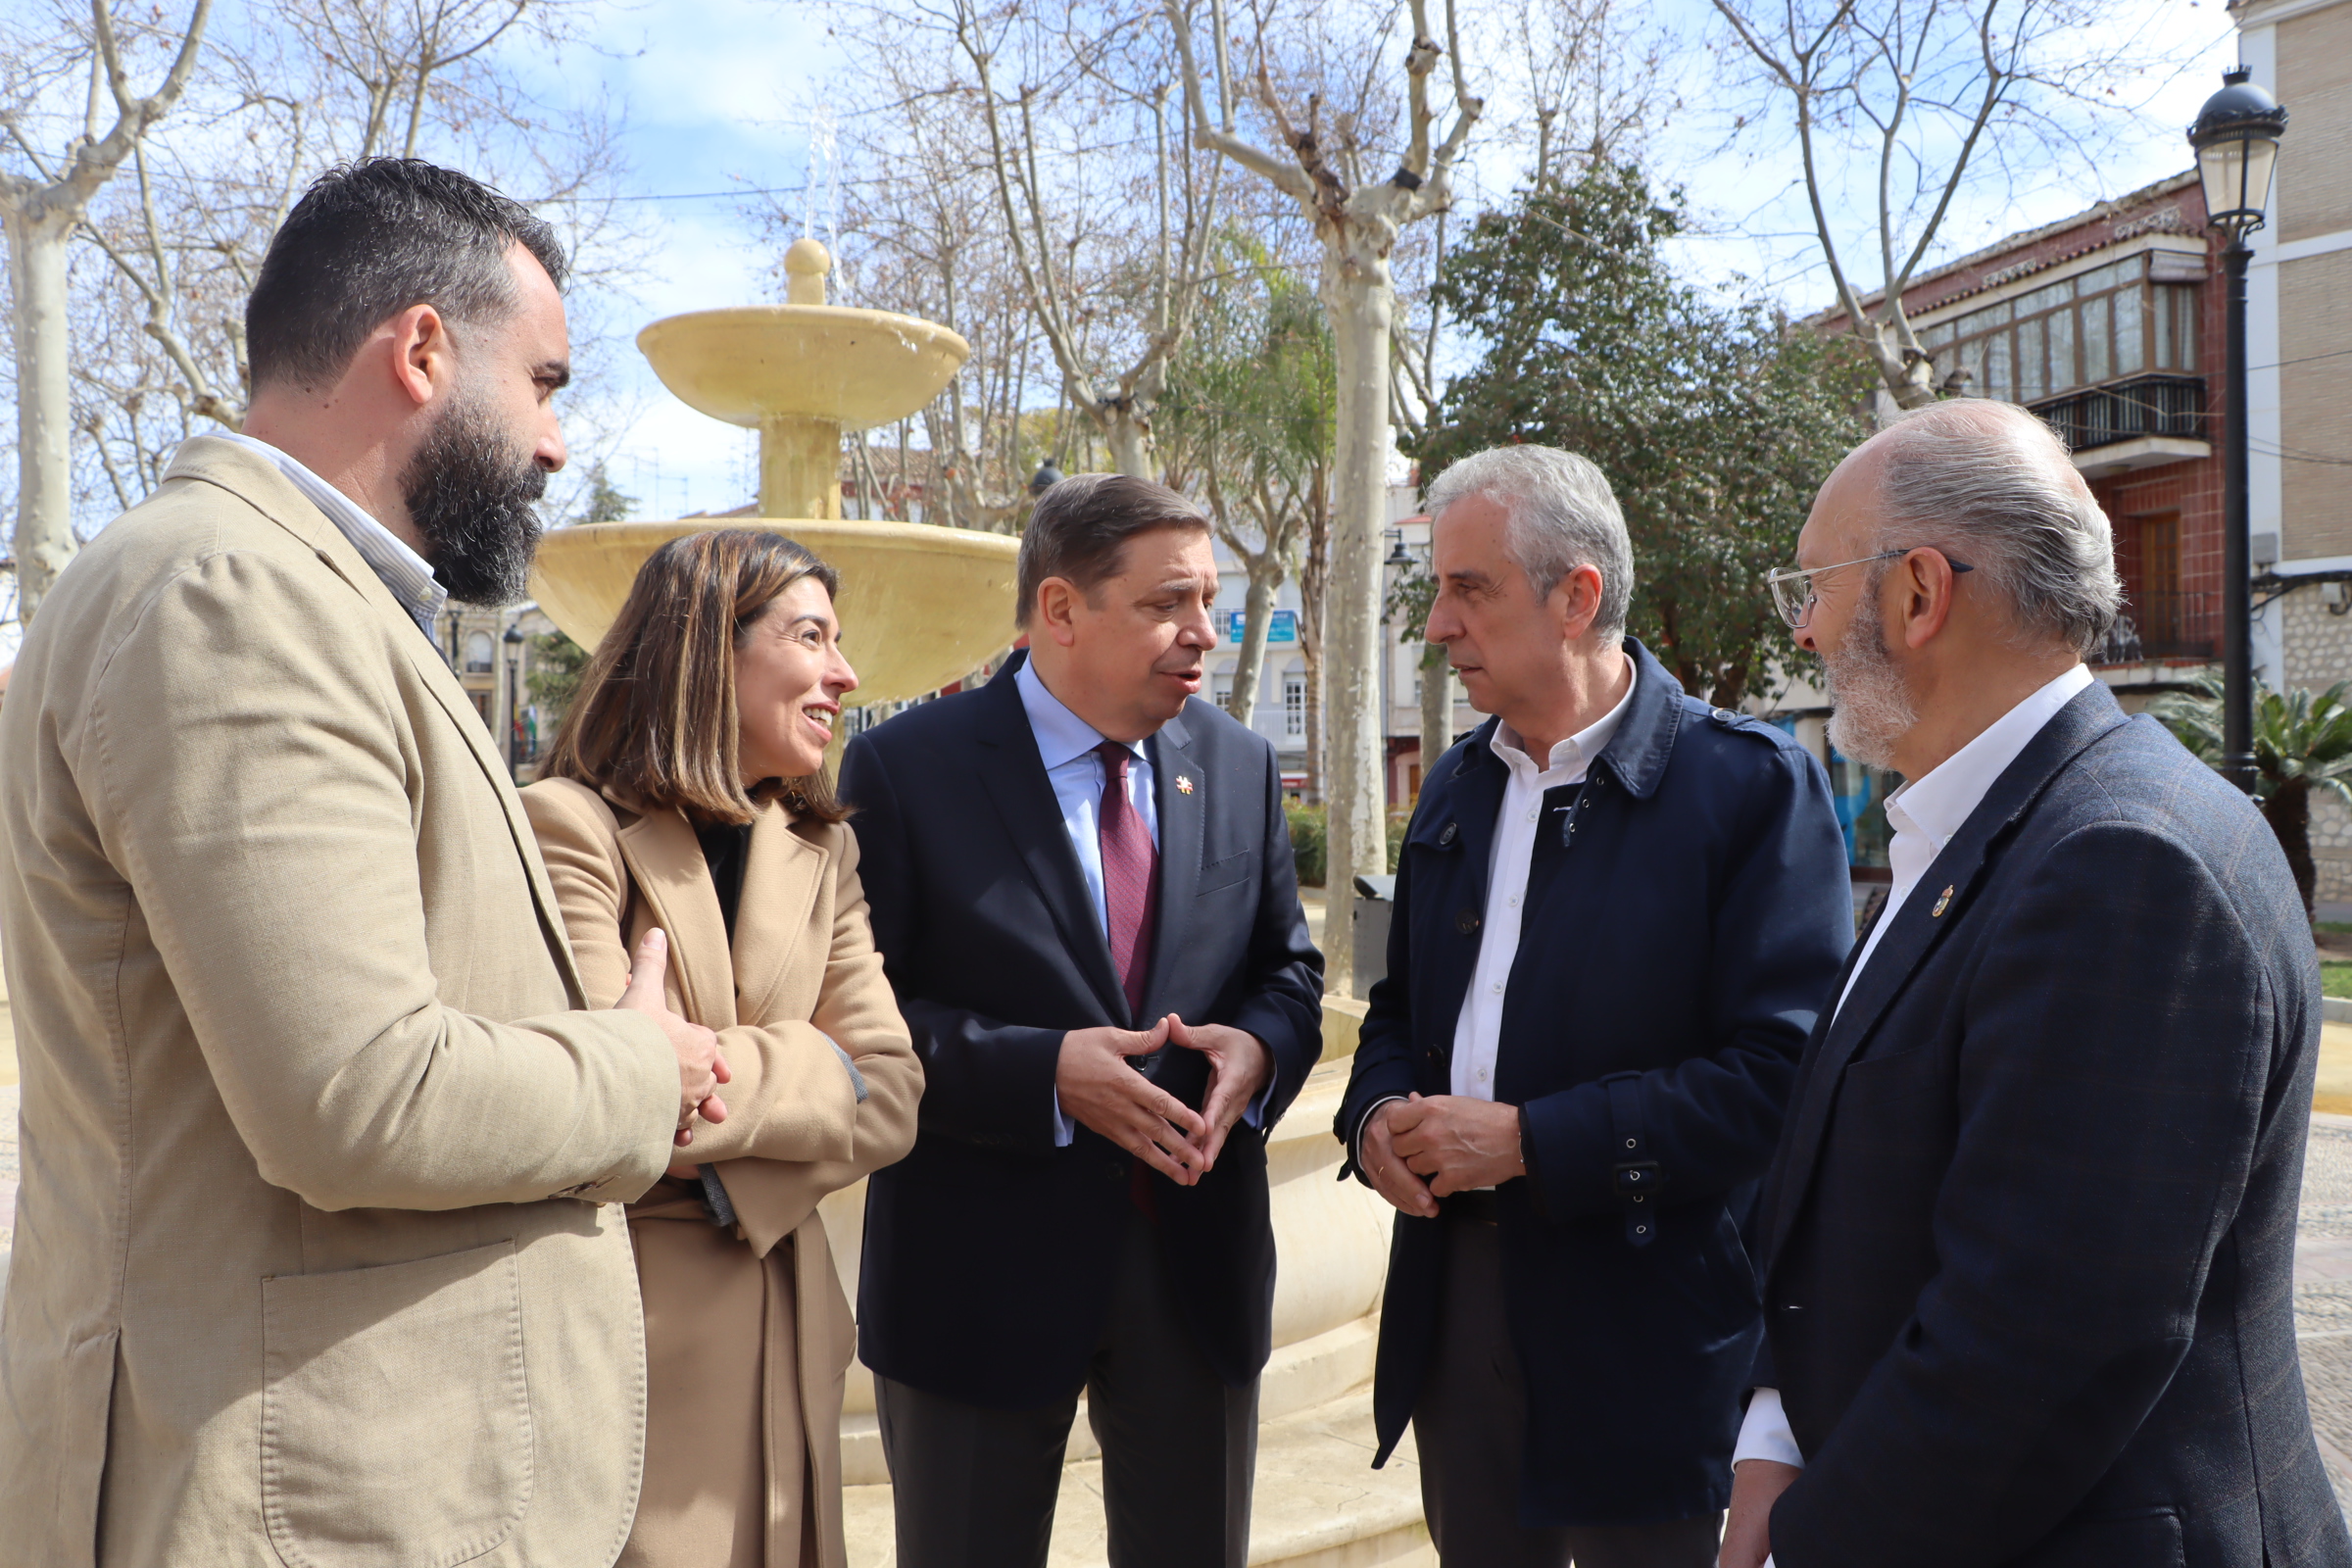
x=2030 y=1233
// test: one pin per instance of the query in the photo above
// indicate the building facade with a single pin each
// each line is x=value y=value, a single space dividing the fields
x=2299 y=374
x=495 y=672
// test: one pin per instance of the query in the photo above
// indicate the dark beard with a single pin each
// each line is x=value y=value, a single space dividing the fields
x=475 y=505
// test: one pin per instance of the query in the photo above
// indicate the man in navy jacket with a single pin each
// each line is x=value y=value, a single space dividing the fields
x=2031 y=1229
x=1617 y=912
x=1082 y=888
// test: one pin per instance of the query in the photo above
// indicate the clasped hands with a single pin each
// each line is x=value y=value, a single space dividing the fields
x=1102 y=1090
x=701 y=1067
x=1418 y=1150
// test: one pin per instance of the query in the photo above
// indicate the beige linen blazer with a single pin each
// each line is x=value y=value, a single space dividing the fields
x=801 y=975
x=302 y=1272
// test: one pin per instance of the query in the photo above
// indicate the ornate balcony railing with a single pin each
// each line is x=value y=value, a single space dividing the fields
x=2125 y=410
x=2163 y=625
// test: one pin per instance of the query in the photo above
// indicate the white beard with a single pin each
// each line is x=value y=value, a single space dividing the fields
x=1870 y=704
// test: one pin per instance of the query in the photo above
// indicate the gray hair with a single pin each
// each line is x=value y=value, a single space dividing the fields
x=1997 y=483
x=1562 y=516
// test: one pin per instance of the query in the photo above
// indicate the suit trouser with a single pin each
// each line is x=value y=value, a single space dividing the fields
x=1470 y=1428
x=976 y=1488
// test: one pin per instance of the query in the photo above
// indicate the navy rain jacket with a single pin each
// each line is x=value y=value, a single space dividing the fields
x=1687 y=911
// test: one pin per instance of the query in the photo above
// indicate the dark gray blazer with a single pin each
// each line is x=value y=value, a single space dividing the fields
x=2032 y=1227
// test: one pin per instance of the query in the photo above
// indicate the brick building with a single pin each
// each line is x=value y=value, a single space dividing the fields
x=2109 y=324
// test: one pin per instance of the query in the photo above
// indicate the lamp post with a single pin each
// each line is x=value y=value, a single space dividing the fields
x=513 y=641
x=2236 y=141
x=1044 y=479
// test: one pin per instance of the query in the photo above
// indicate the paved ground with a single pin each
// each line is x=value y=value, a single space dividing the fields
x=2324 y=1294
x=2323 y=1272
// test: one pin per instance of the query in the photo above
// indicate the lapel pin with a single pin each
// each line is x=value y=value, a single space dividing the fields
x=1943 y=901
x=1183 y=785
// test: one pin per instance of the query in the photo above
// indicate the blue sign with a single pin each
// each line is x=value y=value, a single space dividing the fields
x=1281 y=627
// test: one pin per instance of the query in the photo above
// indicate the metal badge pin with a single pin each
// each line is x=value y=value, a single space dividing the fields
x=1183 y=785
x=1943 y=902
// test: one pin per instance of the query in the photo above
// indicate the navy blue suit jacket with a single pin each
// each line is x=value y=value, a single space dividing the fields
x=2033 y=1227
x=1674 y=952
x=989 y=1252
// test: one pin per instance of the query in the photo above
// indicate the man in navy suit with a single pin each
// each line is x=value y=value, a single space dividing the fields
x=1617 y=912
x=1082 y=888
x=2030 y=1231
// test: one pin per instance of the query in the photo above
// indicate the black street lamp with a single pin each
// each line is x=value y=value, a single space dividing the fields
x=513 y=641
x=2236 y=141
x=1044 y=479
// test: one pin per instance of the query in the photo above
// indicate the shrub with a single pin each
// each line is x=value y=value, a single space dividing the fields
x=1310 y=850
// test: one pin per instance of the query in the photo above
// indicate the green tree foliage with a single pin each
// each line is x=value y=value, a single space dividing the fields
x=556 y=665
x=1246 y=425
x=2301 y=743
x=1714 y=422
x=604 y=502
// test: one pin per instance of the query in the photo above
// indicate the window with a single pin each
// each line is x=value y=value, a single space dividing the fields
x=2175 y=327
x=1293 y=705
x=1221 y=687
x=2107 y=323
x=478 y=648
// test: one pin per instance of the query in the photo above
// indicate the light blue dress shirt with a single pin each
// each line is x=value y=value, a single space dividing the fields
x=407 y=575
x=1067 y=745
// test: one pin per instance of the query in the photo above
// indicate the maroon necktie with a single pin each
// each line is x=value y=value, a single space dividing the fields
x=1130 y=877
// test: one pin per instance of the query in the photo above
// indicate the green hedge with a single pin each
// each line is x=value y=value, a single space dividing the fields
x=1310 y=842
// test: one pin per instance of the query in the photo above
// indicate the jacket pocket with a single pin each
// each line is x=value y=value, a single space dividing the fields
x=395 y=1414
x=2133 y=1540
x=1231 y=871
x=1879 y=1080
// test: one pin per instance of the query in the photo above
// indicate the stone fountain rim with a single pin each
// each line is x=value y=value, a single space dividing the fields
x=888 y=535
x=849 y=314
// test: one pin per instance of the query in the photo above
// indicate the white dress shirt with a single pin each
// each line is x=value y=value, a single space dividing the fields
x=407 y=576
x=1924 y=815
x=1478 y=1027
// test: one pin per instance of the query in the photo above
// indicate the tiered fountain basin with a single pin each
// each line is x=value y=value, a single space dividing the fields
x=921 y=606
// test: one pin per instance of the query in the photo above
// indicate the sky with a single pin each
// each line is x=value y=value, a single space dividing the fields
x=723 y=96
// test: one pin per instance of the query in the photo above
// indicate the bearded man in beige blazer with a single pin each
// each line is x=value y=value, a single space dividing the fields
x=319 y=1258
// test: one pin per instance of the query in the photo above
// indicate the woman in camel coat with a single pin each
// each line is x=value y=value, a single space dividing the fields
x=687 y=793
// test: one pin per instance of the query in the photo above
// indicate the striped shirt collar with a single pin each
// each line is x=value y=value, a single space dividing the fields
x=406 y=574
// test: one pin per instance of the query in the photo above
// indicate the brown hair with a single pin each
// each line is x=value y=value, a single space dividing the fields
x=656 y=718
x=1080 y=527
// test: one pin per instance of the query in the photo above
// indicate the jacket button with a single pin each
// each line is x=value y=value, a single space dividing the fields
x=1117 y=1173
x=1446 y=837
x=1466 y=921
x=1434 y=1054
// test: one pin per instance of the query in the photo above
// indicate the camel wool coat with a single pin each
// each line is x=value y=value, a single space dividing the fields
x=302 y=1270
x=746 y=1330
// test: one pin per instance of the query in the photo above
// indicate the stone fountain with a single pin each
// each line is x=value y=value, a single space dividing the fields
x=920 y=606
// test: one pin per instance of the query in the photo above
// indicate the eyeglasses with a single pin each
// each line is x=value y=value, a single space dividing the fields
x=1794 y=593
